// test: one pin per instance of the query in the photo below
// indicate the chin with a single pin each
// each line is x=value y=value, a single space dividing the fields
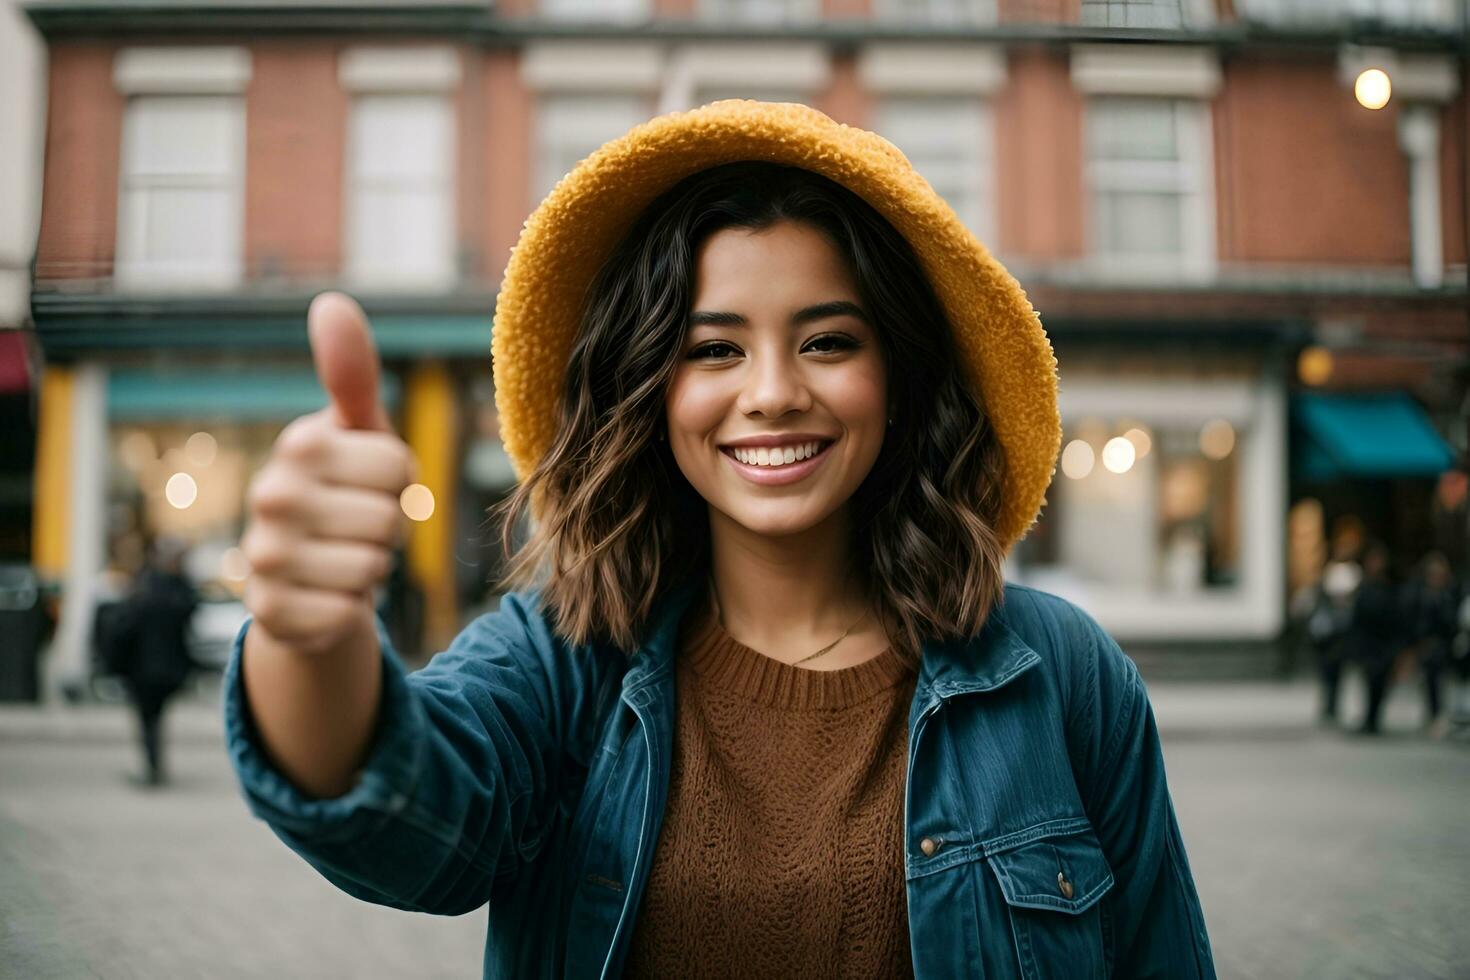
x=778 y=518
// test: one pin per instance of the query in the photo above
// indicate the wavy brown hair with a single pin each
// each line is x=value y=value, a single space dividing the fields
x=617 y=523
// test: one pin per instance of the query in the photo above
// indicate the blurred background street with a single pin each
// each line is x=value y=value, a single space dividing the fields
x=1244 y=226
x=1317 y=854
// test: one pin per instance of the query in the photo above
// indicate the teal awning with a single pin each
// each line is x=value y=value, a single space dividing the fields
x=1381 y=435
x=247 y=395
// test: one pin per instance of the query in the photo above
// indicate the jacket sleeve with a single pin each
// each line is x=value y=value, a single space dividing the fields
x=460 y=783
x=1158 y=926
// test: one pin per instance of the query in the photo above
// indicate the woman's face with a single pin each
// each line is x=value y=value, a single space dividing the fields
x=779 y=355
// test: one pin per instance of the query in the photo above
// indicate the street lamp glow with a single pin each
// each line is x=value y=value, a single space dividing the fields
x=1077 y=459
x=181 y=491
x=1373 y=88
x=1314 y=365
x=417 y=502
x=1118 y=455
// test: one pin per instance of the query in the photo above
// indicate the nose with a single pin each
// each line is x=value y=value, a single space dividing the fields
x=773 y=386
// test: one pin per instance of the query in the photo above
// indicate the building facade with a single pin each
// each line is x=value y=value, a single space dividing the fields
x=1231 y=254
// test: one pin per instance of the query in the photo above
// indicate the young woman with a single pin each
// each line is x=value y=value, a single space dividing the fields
x=762 y=704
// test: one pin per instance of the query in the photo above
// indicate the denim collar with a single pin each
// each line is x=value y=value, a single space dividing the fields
x=984 y=662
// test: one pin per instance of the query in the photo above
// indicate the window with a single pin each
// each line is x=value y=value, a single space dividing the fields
x=937 y=12
x=572 y=125
x=761 y=11
x=1147 y=175
x=400 y=216
x=948 y=140
x=1430 y=14
x=601 y=10
x=1135 y=13
x=181 y=192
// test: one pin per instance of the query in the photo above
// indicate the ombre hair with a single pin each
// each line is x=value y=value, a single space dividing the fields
x=616 y=521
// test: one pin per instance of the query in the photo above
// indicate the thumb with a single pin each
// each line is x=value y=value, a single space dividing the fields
x=346 y=360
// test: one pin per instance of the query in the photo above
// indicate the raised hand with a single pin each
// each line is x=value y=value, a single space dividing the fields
x=323 y=513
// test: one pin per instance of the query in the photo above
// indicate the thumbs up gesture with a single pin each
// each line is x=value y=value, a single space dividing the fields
x=323 y=513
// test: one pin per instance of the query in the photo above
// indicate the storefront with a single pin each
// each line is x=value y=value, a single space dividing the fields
x=1166 y=516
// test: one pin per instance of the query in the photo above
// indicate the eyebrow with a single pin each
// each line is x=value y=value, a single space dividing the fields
x=807 y=314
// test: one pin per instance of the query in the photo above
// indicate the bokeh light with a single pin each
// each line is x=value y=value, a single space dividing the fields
x=1118 y=455
x=1314 y=365
x=1217 y=439
x=181 y=491
x=1077 y=459
x=1142 y=441
x=233 y=566
x=417 y=502
x=1373 y=88
x=200 y=448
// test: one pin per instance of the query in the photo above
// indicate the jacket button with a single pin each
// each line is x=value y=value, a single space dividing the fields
x=1063 y=885
x=928 y=845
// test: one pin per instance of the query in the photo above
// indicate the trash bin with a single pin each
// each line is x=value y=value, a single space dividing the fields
x=22 y=628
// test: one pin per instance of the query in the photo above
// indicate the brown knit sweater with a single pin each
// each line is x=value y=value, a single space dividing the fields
x=781 y=853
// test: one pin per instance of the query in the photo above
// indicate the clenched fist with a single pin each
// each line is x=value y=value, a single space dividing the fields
x=323 y=513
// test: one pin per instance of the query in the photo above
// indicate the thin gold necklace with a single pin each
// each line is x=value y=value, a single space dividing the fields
x=720 y=617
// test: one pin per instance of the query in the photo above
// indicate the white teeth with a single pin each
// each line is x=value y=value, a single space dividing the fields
x=781 y=456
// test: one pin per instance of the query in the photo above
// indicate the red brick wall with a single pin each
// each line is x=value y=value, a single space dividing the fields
x=1453 y=174
x=1305 y=174
x=78 y=233
x=507 y=152
x=1038 y=160
x=845 y=100
x=296 y=130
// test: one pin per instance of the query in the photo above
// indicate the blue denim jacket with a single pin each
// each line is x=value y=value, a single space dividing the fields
x=518 y=771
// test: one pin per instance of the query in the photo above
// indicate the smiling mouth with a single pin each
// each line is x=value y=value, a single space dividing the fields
x=775 y=467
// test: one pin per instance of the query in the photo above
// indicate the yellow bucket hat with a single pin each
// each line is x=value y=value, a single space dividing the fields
x=564 y=242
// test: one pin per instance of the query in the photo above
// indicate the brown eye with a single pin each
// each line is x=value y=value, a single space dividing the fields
x=829 y=343
x=714 y=350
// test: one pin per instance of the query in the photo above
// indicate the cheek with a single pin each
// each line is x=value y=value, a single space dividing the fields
x=693 y=407
x=860 y=396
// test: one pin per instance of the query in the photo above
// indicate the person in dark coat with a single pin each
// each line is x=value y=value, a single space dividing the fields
x=1376 y=631
x=151 y=648
x=1431 y=612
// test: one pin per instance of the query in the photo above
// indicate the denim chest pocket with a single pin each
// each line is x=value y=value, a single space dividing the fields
x=1052 y=885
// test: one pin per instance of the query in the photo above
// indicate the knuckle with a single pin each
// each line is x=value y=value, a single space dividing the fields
x=273 y=492
x=265 y=550
x=303 y=440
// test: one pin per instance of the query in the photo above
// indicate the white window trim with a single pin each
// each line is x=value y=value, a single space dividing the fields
x=981 y=12
x=592 y=66
x=801 y=12
x=1253 y=608
x=1126 y=69
x=981 y=180
x=428 y=68
x=134 y=275
x=933 y=69
x=635 y=11
x=1193 y=178
x=797 y=66
x=181 y=71
x=368 y=274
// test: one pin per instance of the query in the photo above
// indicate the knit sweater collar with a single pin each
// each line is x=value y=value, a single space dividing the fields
x=724 y=663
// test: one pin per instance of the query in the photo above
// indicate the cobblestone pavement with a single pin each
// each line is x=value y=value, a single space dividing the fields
x=1317 y=854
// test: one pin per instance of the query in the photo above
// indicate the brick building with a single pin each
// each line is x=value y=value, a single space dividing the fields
x=1245 y=272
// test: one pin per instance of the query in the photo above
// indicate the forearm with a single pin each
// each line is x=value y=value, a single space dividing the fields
x=315 y=714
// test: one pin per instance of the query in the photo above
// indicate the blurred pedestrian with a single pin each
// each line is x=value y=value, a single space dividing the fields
x=1431 y=606
x=149 y=649
x=1375 y=633
x=1329 y=614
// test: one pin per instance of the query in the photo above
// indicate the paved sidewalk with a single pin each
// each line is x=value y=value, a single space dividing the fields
x=1184 y=709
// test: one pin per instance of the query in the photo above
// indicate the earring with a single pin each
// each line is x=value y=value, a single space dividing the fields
x=890 y=421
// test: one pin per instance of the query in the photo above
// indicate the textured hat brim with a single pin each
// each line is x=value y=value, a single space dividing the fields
x=564 y=242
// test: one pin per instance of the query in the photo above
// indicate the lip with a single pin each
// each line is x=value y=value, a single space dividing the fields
x=779 y=476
